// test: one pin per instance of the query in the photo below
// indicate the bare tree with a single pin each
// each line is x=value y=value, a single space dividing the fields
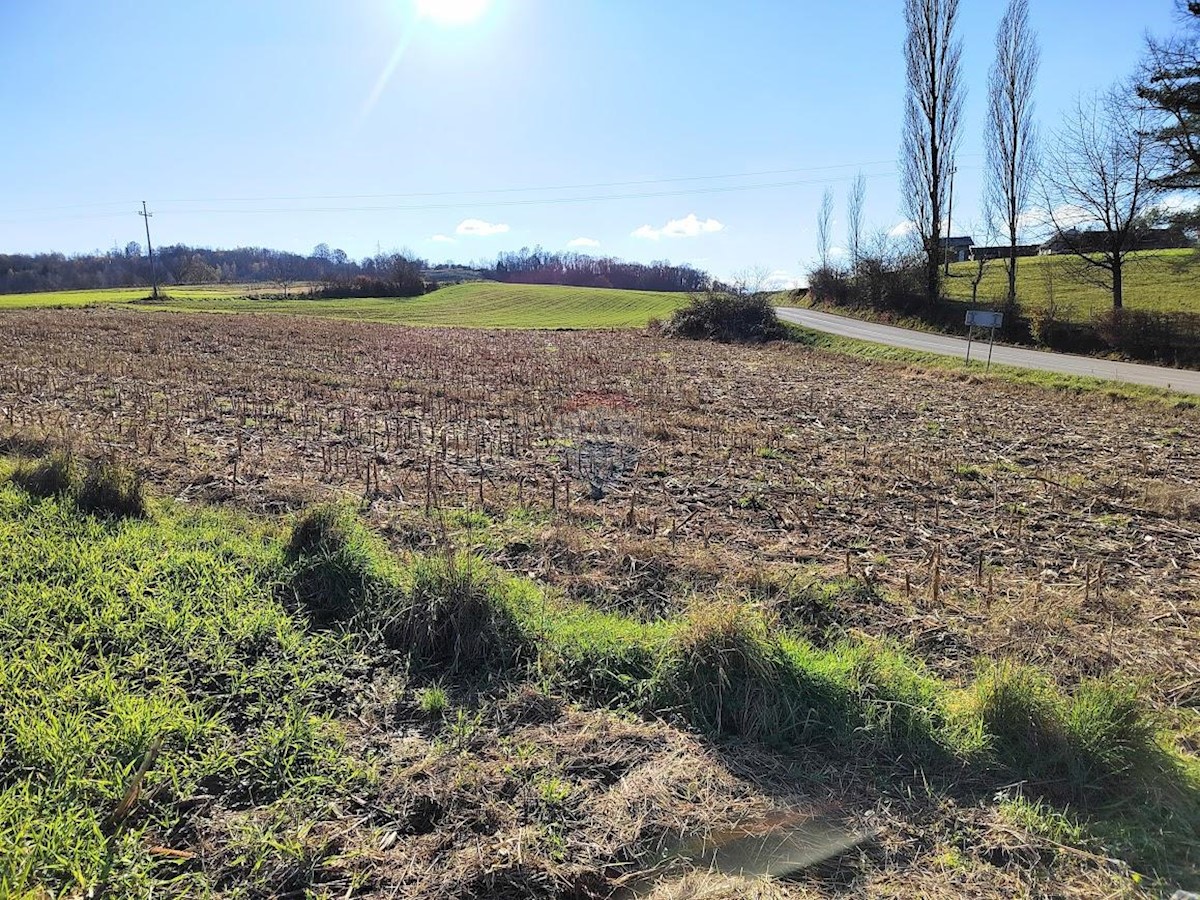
x=855 y=201
x=933 y=110
x=1099 y=185
x=824 y=226
x=1169 y=81
x=750 y=280
x=988 y=231
x=1011 y=137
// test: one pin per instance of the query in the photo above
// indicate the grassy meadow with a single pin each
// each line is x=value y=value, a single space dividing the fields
x=474 y=305
x=1157 y=281
x=193 y=292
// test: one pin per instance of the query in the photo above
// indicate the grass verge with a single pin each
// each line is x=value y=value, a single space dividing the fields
x=1072 y=384
x=153 y=646
x=149 y=663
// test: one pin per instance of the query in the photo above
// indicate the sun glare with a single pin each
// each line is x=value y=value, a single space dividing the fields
x=452 y=12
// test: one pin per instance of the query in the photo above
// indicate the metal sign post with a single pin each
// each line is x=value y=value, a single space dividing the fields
x=983 y=319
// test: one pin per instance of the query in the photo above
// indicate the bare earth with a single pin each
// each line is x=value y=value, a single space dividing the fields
x=1065 y=528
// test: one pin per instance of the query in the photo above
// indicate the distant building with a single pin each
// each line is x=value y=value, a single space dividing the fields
x=1073 y=240
x=989 y=253
x=957 y=249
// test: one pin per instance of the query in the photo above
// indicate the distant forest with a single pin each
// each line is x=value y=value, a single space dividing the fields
x=385 y=274
x=538 y=266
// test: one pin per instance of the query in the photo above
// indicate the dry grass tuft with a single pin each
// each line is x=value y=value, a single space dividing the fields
x=112 y=489
x=455 y=617
x=53 y=476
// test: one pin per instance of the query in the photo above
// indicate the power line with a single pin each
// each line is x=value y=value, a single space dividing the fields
x=538 y=201
x=522 y=190
x=468 y=193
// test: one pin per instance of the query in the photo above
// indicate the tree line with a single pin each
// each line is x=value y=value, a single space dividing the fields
x=129 y=266
x=331 y=271
x=538 y=266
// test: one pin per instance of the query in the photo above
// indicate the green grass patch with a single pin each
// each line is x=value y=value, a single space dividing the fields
x=1155 y=281
x=43 y=299
x=117 y=634
x=228 y=642
x=472 y=305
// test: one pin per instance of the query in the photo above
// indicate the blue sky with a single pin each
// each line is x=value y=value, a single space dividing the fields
x=271 y=123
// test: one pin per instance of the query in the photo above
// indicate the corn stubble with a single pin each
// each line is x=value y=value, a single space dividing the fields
x=803 y=562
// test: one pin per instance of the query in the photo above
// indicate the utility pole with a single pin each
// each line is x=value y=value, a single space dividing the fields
x=949 y=216
x=150 y=249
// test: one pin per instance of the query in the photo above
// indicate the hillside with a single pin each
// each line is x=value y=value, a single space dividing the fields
x=1165 y=280
x=475 y=304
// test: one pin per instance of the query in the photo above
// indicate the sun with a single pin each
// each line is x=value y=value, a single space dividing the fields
x=452 y=12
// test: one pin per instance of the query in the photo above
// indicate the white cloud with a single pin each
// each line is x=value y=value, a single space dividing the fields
x=442 y=239
x=904 y=229
x=583 y=242
x=1042 y=222
x=689 y=226
x=479 y=228
x=781 y=280
x=1176 y=201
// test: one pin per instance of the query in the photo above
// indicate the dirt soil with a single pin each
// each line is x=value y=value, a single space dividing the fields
x=965 y=518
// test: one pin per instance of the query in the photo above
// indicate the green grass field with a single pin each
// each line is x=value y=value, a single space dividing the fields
x=129 y=295
x=1163 y=281
x=476 y=304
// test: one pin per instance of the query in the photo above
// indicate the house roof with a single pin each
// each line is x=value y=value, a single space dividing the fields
x=958 y=242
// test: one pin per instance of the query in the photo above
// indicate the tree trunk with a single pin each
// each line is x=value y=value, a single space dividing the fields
x=1117 y=287
x=933 y=274
x=1012 y=274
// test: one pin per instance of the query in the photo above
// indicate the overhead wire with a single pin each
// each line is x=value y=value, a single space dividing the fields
x=472 y=204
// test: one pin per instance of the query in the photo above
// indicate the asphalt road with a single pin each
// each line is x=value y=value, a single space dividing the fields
x=1182 y=380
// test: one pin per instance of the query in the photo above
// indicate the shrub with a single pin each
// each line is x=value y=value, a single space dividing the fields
x=455 y=616
x=54 y=476
x=112 y=489
x=1110 y=732
x=727 y=317
x=728 y=674
x=411 y=285
x=1146 y=334
x=829 y=285
x=885 y=278
x=340 y=569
